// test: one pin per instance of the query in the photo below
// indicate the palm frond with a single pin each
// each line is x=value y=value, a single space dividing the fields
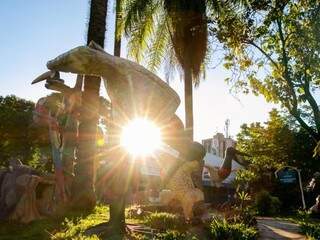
x=188 y=27
x=140 y=34
x=135 y=11
x=139 y=27
x=158 y=43
x=171 y=63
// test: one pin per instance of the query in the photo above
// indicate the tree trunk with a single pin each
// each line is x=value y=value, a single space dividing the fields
x=188 y=95
x=117 y=39
x=84 y=170
x=117 y=206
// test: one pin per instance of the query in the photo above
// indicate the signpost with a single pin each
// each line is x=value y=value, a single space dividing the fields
x=290 y=175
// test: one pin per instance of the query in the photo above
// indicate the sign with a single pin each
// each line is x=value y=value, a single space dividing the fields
x=287 y=175
x=290 y=175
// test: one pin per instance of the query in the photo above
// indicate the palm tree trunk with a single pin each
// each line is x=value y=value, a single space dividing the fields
x=117 y=206
x=188 y=101
x=117 y=39
x=84 y=170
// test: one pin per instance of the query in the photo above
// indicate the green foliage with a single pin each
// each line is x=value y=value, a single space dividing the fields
x=221 y=229
x=310 y=229
x=266 y=204
x=167 y=235
x=246 y=216
x=271 y=145
x=164 y=221
x=19 y=139
x=170 y=235
x=243 y=197
x=243 y=211
x=272 y=49
x=73 y=226
x=169 y=32
x=69 y=226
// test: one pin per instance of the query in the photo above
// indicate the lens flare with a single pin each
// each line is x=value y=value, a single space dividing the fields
x=141 y=137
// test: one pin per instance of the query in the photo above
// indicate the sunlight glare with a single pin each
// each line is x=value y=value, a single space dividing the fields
x=141 y=137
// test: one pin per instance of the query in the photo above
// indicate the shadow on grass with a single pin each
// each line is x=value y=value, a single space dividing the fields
x=58 y=227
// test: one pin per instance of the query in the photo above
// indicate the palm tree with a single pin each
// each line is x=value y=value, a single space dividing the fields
x=117 y=206
x=84 y=196
x=170 y=31
x=117 y=35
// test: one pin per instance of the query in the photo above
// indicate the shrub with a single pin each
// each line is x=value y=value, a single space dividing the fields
x=266 y=204
x=221 y=229
x=170 y=235
x=310 y=229
x=164 y=221
x=246 y=216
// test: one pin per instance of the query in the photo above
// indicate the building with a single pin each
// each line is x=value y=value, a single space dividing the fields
x=218 y=144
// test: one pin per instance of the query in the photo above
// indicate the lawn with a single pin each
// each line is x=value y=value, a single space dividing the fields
x=165 y=225
x=70 y=226
x=73 y=225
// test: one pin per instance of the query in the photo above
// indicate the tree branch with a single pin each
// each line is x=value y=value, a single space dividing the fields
x=263 y=52
x=303 y=124
x=285 y=63
x=312 y=102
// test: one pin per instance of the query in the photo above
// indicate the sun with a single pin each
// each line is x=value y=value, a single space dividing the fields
x=141 y=137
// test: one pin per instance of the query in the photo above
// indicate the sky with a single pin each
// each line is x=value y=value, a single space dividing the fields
x=35 y=31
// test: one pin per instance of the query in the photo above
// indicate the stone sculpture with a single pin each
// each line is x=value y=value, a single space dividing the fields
x=61 y=119
x=25 y=194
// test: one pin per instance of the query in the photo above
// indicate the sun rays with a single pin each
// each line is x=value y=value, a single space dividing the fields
x=140 y=137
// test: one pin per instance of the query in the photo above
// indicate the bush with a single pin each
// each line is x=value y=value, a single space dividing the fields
x=168 y=235
x=221 y=229
x=164 y=221
x=171 y=235
x=310 y=229
x=266 y=204
x=246 y=216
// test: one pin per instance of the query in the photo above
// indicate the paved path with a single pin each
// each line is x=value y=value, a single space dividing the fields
x=271 y=228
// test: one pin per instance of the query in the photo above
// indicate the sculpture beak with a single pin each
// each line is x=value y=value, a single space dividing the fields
x=45 y=76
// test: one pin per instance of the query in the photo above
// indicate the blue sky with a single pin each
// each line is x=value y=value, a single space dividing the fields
x=35 y=31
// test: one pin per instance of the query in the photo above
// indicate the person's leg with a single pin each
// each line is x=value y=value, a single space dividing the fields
x=231 y=154
x=225 y=169
x=238 y=157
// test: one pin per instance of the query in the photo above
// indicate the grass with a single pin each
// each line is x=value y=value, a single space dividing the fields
x=69 y=226
x=74 y=224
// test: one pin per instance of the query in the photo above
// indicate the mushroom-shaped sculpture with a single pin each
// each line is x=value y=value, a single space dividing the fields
x=133 y=90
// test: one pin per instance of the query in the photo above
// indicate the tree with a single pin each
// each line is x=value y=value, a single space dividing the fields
x=272 y=145
x=273 y=49
x=84 y=196
x=20 y=138
x=117 y=205
x=117 y=33
x=170 y=31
